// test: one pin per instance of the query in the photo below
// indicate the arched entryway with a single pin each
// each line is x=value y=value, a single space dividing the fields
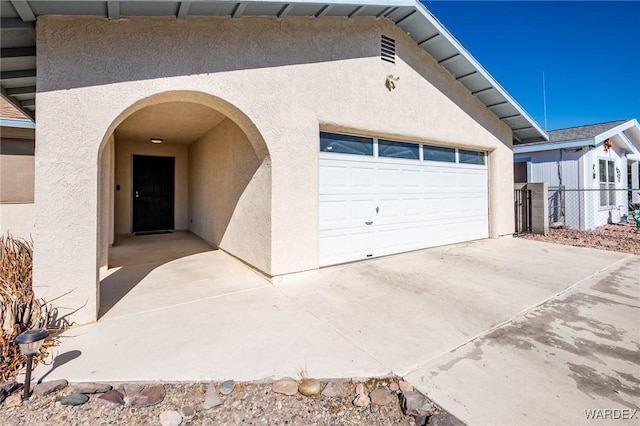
x=189 y=165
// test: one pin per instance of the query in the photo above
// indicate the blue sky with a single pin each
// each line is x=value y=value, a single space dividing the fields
x=589 y=52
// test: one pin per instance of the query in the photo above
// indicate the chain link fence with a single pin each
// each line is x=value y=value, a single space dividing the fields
x=587 y=209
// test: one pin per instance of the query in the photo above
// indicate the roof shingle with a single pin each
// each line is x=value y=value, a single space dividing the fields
x=582 y=132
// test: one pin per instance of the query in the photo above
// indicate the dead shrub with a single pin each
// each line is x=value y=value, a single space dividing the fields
x=20 y=310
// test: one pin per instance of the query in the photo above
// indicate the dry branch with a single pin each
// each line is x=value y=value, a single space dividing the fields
x=20 y=310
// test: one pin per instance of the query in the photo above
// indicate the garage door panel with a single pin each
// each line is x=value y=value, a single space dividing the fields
x=410 y=179
x=363 y=177
x=347 y=210
x=334 y=214
x=411 y=207
x=421 y=204
x=333 y=176
x=362 y=243
x=362 y=210
x=334 y=247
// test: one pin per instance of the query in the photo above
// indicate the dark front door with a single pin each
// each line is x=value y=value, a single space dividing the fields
x=153 y=186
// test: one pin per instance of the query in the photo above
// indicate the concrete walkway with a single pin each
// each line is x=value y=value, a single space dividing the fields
x=430 y=315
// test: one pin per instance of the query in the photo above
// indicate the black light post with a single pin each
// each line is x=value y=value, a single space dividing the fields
x=30 y=342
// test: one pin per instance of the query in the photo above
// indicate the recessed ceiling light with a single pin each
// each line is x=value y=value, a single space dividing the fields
x=156 y=140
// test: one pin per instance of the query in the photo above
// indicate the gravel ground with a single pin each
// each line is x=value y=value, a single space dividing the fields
x=248 y=404
x=624 y=237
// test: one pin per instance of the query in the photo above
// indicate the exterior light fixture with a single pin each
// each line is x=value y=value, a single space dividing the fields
x=29 y=343
x=156 y=140
x=390 y=82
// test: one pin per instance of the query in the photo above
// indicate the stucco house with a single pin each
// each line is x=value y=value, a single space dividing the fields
x=292 y=135
x=592 y=172
x=17 y=146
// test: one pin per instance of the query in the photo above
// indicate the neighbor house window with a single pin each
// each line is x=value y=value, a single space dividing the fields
x=398 y=149
x=345 y=144
x=439 y=153
x=607 y=183
x=470 y=157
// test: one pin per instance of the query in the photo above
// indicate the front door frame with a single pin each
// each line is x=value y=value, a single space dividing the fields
x=168 y=205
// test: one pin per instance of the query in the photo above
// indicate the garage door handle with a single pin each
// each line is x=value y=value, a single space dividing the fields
x=368 y=223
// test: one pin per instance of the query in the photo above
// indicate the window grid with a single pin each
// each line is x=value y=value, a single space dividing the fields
x=421 y=147
x=607 y=182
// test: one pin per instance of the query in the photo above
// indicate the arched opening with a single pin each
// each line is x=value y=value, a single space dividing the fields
x=181 y=176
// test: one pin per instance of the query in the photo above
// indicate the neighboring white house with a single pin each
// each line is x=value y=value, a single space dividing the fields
x=592 y=172
x=292 y=135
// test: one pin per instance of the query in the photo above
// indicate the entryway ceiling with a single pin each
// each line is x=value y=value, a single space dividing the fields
x=174 y=122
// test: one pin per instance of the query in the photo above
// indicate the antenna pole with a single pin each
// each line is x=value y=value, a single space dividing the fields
x=544 y=100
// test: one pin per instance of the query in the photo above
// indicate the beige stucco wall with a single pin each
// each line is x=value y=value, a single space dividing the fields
x=17 y=219
x=16 y=178
x=279 y=80
x=106 y=201
x=123 y=152
x=229 y=187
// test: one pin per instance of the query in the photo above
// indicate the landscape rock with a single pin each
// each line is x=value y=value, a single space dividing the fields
x=394 y=387
x=415 y=404
x=334 y=388
x=42 y=389
x=188 y=412
x=421 y=420
x=227 y=387
x=310 y=387
x=91 y=388
x=111 y=398
x=74 y=399
x=130 y=390
x=150 y=395
x=13 y=400
x=7 y=388
x=286 y=387
x=10 y=387
x=405 y=386
x=170 y=418
x=444 y=419
x=249 y=403
x=211 y=398
x=361 y=389
x=381 y=396
x=361 y=400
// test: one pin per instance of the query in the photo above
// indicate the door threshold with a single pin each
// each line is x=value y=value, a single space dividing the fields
x=160 y=231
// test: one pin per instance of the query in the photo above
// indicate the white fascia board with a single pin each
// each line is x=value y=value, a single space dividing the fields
x=550 y=146
x=618 y=129
x=441 y=28
x=631 y=148
x=20 y=123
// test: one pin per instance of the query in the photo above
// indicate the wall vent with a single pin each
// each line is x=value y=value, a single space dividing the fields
x=388 y=49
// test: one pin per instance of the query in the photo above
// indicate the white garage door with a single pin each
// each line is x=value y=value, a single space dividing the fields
x=379 y=197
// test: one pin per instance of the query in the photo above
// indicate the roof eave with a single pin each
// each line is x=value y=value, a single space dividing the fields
x=550 y=146
x=542 y=134
x=402 y=13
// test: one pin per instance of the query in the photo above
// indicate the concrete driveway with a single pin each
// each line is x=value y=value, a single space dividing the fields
x=503 y=331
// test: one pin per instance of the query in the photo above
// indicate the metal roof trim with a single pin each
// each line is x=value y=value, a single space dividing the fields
x=18 y=123
x=551 y=146
x=458 y=46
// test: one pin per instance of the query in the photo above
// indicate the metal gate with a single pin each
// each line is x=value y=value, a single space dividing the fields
x=522 y=211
